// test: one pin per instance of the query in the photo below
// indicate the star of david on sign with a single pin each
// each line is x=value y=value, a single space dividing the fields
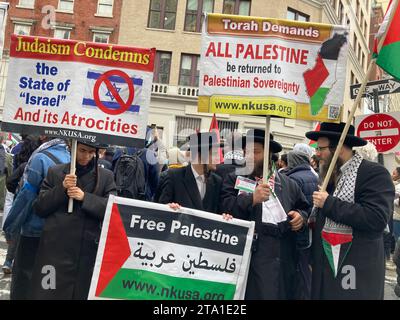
x=109 y=94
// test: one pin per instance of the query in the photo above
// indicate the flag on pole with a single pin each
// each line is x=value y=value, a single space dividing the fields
x=313 y=143
x=214 y=127
x=388 y=56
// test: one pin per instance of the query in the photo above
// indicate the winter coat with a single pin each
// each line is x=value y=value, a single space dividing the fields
x=180 y=186
x=273 y=263
x=22 y=216
x=69 y=241
x=368 y=216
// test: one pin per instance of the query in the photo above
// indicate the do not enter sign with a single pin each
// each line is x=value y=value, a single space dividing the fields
x=383 y=130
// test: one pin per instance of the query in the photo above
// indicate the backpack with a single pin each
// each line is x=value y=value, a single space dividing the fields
x=130 y=177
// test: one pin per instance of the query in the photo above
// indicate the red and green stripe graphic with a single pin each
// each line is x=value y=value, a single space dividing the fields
x=116 y=252
x=388 y=56
x=134 y=284
x=320 y=79
x=336 y=246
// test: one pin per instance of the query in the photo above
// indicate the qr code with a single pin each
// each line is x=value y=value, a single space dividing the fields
x=333 y=112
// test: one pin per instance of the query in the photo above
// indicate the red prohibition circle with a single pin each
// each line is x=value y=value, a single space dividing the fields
x=105 y=78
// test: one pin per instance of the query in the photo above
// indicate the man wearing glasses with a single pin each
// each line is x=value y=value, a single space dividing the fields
x=348 y=253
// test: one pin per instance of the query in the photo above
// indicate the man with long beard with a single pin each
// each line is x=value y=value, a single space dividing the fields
x=279 y=210
x=348 y=254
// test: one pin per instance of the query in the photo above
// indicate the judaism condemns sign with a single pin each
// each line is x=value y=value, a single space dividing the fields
x=75 y=89
x=148 y=251
x=274 y=67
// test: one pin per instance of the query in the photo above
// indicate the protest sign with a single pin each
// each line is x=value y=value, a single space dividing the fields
x=274 y=67
x=148 y=251
x=79 y=90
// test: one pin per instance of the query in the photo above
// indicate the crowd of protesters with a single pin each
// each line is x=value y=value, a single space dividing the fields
x=302 y=256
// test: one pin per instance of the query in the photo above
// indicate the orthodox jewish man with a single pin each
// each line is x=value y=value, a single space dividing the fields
x=195 y=186
x=348 y=253
x=279 y=210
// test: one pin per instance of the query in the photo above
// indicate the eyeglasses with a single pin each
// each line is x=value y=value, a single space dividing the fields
x=319 y=149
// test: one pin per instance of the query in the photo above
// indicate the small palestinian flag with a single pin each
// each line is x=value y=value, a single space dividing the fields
x=320 y=79
x=388 y=56
x=336 y=246
x=313 y=143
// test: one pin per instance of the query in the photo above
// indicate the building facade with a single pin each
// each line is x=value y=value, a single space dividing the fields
x=173 y=27
x=88 y=20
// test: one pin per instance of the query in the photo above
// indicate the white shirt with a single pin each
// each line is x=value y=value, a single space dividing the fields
x=200 y=181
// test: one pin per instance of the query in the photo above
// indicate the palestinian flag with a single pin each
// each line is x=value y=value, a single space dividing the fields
x=320 y=79
x=336 y=244
x=388 y=56
x=313 y=143
x=214 y=127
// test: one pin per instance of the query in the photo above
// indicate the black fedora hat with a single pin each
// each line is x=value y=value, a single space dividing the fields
x=258 y=135
x=201 y=141
x=333 y=131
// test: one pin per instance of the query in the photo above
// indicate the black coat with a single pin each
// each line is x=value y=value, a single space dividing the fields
x=69 y=241
x=273 y=264
x=180 y=186
x=368 y=216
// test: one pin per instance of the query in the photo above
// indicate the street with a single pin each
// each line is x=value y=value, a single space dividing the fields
x=5 y=280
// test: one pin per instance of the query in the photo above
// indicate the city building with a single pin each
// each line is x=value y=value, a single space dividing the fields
x=88 y=20
x=174 y=28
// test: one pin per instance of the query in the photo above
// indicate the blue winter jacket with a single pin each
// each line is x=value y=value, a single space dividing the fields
x=22 y=217
x=306 y=179
x=308 y=183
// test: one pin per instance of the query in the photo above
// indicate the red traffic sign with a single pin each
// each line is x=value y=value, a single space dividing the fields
x=105 y=77
x=382 y=130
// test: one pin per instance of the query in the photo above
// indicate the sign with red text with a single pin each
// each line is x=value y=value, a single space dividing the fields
x=381 y=129
x=80 y=90
x=263 y=66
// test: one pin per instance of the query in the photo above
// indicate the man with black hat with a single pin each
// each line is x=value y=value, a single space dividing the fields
x=195 y=186
x=69 y=241
x=348 y=254
x=279 y=210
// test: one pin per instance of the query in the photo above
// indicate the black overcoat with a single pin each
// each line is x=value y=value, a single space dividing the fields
x=273 y=263
x=180 y=186
x=69 y=241
x=368 y=216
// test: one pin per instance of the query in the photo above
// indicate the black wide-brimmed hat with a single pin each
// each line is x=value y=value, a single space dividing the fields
x=333 y=131
x=93 y=145
x=258 y=135
x=201 y=141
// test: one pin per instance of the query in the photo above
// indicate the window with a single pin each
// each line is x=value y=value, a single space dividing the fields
x=105 y=8
x=62 y=33
x=66 y=5
x=240 y=7
x=341 y=12
x=185 y=126
x=189 y=72
x=101 y=37
x=27 y=3
x=22 y=29
x=296 y=15
x=355 y=43
x=227 y=127
x=162 y=14
x=194 y=13
x=363 y=60
x=162 y=67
